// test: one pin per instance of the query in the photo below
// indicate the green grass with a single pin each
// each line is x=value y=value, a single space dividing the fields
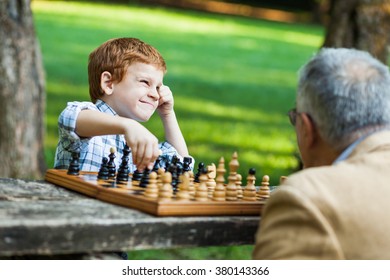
x=206 y=253
x=233 y=78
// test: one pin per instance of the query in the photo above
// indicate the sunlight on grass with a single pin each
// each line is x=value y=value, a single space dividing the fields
x=169 y=20
x=213 y=109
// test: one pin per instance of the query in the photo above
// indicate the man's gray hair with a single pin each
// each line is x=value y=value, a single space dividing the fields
x=346 y=92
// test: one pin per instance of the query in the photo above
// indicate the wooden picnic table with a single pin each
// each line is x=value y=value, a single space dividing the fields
x=41 y=220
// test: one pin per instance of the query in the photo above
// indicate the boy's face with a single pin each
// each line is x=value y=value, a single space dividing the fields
x=137 y=95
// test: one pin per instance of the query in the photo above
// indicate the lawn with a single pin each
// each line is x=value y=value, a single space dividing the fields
x=233 y=80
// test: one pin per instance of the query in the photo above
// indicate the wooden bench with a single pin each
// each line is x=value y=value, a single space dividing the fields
x=39 y=220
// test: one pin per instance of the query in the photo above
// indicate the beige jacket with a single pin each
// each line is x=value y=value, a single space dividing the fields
x=332 y=212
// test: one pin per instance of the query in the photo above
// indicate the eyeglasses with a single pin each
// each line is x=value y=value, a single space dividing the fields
x=292 y=116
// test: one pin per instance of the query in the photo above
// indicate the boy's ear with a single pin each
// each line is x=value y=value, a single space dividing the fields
x=106 y=82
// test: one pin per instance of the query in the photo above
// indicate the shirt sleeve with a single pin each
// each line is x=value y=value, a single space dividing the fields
x=67 y=124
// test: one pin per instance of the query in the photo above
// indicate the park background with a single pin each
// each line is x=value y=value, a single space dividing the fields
x=233 y=79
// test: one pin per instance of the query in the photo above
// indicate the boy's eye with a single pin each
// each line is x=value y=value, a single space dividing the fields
x=145 y=82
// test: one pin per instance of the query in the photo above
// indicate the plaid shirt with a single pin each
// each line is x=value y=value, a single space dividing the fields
x=92 y=150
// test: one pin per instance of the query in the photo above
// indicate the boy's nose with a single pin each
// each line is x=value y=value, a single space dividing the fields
x=153 y=93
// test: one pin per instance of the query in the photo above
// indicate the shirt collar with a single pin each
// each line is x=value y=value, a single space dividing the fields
x=104 y=107
x=348 y=151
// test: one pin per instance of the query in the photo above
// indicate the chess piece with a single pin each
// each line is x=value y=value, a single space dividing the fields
x=264 y=191
x=173 y=170
x=249 y=193
x=152 y=188
x=74 y=165
x=219 y=191
x=183 y=187
x=136 y=178
x=186 y=164
x=166 y=191
x=239 y=186
x=179 y=167
x=211 y=174
x=191 y=187
x=111 y=163
x=145 y=178
x=103 y=171
x=179 y=172
x=231 y=188
x=199 y=172
x=123 y=171
x=201 y=191
x=160 y=173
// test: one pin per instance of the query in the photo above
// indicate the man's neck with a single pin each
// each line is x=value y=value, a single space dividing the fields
x=322 y=155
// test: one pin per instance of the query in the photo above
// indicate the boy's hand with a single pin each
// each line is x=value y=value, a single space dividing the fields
x=143 y=144
x=165 y=103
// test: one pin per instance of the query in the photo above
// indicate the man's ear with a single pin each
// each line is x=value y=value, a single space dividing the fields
x=106 y=83
x=309 y=130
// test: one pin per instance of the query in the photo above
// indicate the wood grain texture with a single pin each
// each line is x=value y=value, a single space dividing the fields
x=41 y=219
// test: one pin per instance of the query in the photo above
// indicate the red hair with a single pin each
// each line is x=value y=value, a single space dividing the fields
x=115 y=56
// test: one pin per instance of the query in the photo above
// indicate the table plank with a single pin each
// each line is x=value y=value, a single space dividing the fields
x=39 y=218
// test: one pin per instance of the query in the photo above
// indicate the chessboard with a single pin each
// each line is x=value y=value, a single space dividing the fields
x=206 y=195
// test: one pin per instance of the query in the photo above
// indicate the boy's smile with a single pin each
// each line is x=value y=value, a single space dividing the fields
x=137 y=95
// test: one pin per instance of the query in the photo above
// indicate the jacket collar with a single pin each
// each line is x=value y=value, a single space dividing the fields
x=377 y=141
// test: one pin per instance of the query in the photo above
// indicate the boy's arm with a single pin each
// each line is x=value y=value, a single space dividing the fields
x=143 y=144
x=173 y=134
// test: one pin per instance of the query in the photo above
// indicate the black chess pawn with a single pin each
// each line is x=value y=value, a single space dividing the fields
x=103 y=171
x=179 y=172
x=111 y=163
x=123 y=170
x=145 y=178
x=137 y=177
x=74 y=166
x=252 y=171
x=199 y=172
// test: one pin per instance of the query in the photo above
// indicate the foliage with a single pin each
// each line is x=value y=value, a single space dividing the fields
x=233 y=78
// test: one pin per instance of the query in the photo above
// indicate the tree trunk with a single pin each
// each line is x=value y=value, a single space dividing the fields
x=22 y=93
x=360 y=24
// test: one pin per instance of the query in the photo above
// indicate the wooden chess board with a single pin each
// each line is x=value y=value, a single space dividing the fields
x=125 y=194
